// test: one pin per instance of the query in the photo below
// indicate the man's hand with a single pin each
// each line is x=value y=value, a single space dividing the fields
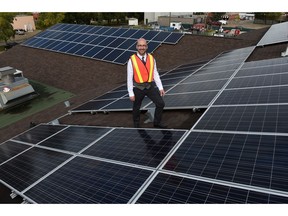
x=162 y=92
x=132 y=98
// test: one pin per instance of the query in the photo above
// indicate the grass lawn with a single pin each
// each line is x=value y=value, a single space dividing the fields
x=48 y=97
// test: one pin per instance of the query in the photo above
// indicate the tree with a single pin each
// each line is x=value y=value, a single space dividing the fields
x=79 y=18
x=6 y=28
x=268 y=16
x=49 y=19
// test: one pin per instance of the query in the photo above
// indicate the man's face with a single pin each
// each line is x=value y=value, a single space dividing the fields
x=141 y=46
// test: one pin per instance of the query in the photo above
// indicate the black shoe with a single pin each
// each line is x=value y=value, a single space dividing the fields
x=160 y=126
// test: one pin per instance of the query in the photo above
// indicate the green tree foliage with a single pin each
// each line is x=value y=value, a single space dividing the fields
x=79 y=18
x=6 y=28
x=49 y=19
x=268 y=16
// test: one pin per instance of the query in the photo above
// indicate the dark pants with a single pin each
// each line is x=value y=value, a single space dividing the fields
x=154 y=95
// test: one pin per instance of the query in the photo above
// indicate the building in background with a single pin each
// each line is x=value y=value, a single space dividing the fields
x=24 y=22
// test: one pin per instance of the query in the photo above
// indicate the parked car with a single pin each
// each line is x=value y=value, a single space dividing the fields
x=224 y=22
x=19 y=31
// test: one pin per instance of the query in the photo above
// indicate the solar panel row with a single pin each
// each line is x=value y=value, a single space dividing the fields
x=109 y=44
x=188 y=86
x=81 y=164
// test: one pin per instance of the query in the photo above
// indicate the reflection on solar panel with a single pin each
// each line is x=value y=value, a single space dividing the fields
x=109 y=44
x=277 y=33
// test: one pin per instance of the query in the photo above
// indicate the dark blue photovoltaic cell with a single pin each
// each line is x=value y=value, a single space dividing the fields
x=90 y=38
x=119 y=32
x=84 y=49
x=122 y=59
x=198 y=77
x=200 y=86
x=128 y=43
x=267 y=80
x=39 y=133
x=50 y=46
x=83 y=180
x=93 y=51
x=138 y=146
x=74 y=138
x=184 y=75
x=94 y=30
x=125 y=104
x=98 y=40
x=92 y=105
x=30 y=166
x=275 y=94
x=152 y=45
x=110 y=31
x=139 y=34
x=59 y=46
x=10 y=149
x=256 y=160
x=187 y=100
x=260 y=70
x=75 y=48
x=162 y=36
x=268 y=118
x=104 y=52
x=169 y=189
x=151 y=34
x=102 y=30
x=117 y=42
x=173 y=38
x=67 y=47
x=107 y=41
x=113 y=55
x=128 y=33
x=81 y=38
x=266 y=62
x=113 y=94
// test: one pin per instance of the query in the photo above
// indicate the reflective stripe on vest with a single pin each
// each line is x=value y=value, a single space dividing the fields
x=143 y=73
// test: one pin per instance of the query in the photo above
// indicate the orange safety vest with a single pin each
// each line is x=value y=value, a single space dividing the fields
x=143 y=73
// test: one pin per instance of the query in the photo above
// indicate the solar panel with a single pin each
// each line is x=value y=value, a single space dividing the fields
x=74 y=138
x=84 y=164
x=171 y=189
x=39 y=133
x=104 y=40
x=277 y=33
x=83 y=180
x=10 y=149
x=147 y=147
x=264 y=118
x=265 y=95
x=247 y=159
x=256 y=81
x=25 y=169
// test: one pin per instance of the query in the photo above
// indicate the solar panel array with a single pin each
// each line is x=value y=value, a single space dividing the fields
x=108 y=44
x=188 y=86
x=235 y=153
x=85 y=164
x=277 y=33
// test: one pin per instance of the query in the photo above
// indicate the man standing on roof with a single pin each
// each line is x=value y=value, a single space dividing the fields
x=143 y=80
